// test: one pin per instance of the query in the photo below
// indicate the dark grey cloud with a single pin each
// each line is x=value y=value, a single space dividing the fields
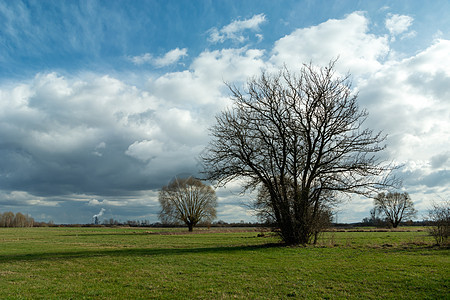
x=439 y=178
x=78 y=144
x=60 y=136
x=439 y=160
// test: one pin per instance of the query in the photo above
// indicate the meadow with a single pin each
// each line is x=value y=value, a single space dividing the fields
x=148 y=263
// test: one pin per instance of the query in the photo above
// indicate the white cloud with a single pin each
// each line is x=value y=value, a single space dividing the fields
x=234 y=31
x=105 y=202
x=235 y=213
x=170 y=58
x=182 y=126
x=408 y=35
x=359 y=51
x=94 y=202
x=60 y=115
x=145 y=150
x=408 y=100
x=229 y=64
x=23 y=198
x=203 y=84
x=397 y=24
x=142 y=59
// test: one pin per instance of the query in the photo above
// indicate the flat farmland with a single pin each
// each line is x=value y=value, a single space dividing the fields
x=148 y=263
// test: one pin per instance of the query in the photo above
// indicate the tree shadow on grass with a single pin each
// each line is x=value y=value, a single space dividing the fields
x=63 y=255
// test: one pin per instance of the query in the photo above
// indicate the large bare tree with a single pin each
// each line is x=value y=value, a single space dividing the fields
x=395 y=207
x=302 y=138
x=187 y=200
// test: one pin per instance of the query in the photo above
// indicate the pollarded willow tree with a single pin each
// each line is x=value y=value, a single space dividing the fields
x=395 y=207
x=187 y=200
x=302 y=138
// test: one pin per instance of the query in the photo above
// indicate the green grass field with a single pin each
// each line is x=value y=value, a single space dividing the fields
x=138 y=263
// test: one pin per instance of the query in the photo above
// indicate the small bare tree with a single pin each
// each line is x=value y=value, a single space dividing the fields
x=439 y=216
x=301 y=137
x=187 y=200
x=395 y=207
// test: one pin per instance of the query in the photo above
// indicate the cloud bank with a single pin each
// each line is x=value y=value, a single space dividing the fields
x=92 y=140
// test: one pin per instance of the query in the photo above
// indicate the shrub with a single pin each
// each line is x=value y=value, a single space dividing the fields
x=439 y=216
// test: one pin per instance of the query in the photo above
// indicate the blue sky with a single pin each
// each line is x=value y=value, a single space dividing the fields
x=73 y=36
x=103 y=102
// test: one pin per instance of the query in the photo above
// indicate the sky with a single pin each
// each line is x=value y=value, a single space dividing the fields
x=104 y=102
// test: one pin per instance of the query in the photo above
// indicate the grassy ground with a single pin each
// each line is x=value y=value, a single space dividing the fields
x=130 y=263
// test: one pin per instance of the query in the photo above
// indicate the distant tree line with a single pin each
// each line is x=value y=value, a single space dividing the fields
x=146 y=223
x=9 y=219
